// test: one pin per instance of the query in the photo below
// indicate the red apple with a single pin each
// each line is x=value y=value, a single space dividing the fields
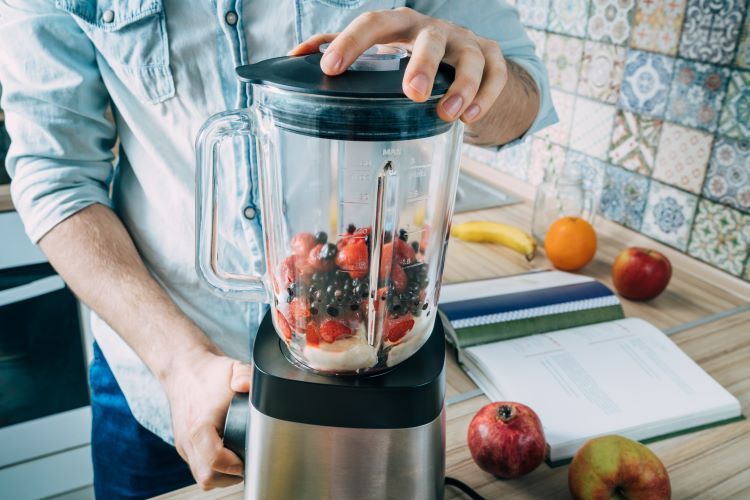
x=641 y=273
x=616 y=467
x=506 y=439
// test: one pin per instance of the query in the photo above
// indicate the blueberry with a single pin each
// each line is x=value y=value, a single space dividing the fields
x=321 y=237
x=332 y=310
x=319 y=296
x=402 y=235
x=415 y=246
x=328 y=251
x=289 y=298
x=424 y=306
x=314 y=311
x=292 y=288
x=351 y=228
x=387 y=237
x=354 y=306
x=338 y=295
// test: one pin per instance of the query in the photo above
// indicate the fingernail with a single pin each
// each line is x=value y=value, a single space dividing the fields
x=331 y=62
x=452 y=105
x=471 y=112
x=420 y=83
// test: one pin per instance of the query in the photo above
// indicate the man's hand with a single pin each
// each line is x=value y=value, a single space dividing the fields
x=93 y=252
x=200 y=389
x=488 y=91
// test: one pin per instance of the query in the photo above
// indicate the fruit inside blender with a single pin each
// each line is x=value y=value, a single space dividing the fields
x=323 y=296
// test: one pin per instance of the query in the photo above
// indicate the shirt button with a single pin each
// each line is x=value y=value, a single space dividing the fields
x=231 y=18
x=108 y=16
x=249 y=213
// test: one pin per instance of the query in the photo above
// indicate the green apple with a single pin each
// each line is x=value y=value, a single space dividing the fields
x=614 y=467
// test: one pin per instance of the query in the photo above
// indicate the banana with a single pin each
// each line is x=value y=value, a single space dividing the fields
x=480 y=231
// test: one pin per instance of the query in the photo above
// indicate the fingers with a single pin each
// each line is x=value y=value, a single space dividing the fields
x=383 y=26
x=242 y=376
x=494 y=78
x=312 y=44
x=469 y=64
x=212 y=465
x=427 y=52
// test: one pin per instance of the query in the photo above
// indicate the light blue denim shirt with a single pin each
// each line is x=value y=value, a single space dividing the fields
x=164 y=66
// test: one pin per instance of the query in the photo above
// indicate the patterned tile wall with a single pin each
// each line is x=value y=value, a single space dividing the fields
x=654 y=105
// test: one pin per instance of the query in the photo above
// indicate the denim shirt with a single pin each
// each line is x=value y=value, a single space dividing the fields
x=164 y=67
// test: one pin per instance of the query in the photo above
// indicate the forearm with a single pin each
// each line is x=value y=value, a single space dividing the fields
x=512 y=113
x=95 y=255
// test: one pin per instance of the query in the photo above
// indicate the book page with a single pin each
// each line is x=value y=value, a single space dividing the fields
x=622 y=377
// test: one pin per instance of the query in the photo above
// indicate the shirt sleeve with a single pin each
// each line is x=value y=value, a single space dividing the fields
x=496 y=20
x=60 y=158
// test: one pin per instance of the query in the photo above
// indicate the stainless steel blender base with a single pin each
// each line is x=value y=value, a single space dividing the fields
x=287 y=460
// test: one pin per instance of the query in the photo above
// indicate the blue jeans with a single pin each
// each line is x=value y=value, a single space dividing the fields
x=129 y=460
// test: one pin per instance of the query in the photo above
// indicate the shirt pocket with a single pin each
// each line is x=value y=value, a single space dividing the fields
x=131 y=36
x=326 y=16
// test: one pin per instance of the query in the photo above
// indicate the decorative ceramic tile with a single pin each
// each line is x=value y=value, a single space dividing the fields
x=592 y=170
x=682 y=157
x=559 y=133
x=711 y=30
x=696 y=95
x=735 y=116
x=634 y=141
x=563 y=60
x=601 y=71
x=743 y=52
x=646 y=82
x=514 y=160
x=544 y=156
x=720 y=236
x=568 y=17
x=656 y=26
x=540 y=41
x=592 y=127
x=728 y=177
x=609 y=20
x=533 y=13
x=624 y=196
x=669 y=215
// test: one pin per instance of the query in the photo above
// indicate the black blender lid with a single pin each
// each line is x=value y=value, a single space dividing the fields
x=378 y=73
x=409 y=395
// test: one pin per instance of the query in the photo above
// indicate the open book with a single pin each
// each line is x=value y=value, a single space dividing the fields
x=559 y=343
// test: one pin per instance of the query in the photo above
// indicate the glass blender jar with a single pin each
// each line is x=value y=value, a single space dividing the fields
x=356 y=185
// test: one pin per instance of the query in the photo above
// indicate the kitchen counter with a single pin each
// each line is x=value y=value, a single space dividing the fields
x=707 y=312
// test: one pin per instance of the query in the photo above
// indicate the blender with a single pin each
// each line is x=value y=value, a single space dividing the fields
x=356 y=185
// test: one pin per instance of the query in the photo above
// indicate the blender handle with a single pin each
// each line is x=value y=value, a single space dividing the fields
x=221 y=126
x=235 y=425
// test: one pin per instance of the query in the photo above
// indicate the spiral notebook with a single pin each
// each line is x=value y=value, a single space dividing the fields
x=560 y=343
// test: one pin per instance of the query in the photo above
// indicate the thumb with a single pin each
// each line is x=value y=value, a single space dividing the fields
x=242 y=376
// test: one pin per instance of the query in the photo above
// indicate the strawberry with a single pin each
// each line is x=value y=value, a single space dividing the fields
x=312 y=334
x=332 y=330
x=353 y=258
x=321 y=257
x=283 y=325
x=299 y=313
x=302 y=243
x=397 y=328
x=404 y=253
x=398 y=278
x=288 y=270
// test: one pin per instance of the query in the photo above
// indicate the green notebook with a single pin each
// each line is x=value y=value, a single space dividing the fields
x=559 y=343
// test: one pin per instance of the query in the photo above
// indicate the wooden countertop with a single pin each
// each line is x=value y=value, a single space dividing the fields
x=713 y=463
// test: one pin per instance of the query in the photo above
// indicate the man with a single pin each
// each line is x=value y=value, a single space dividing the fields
x=168 y=353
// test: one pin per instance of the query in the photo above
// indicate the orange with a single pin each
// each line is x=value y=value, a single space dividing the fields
x=570 y=243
